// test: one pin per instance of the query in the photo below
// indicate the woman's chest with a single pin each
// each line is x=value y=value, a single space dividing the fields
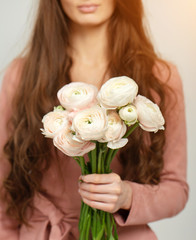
x=91 y=74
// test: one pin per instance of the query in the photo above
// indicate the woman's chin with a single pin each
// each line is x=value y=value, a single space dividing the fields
x=90 y=23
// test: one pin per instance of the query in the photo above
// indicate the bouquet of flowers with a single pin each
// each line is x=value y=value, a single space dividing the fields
x=99 y=123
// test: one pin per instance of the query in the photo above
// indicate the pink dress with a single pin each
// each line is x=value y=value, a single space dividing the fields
x=56 y=213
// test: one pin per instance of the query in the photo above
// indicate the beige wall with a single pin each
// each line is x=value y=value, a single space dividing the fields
x=173 y=28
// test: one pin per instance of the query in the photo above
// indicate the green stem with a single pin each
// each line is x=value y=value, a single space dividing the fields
x=77 y=160
x=97 y=156
x=103 y=165
x=82 y=162
x=81 y=215
x=99 y=161
x=103 y=223
x=108 y=224
x=112 y=152
x=94 y=160
x=105 y=151
x=88 y=225
x=101 y=157
x=83 y=232
x=94 y=224
x=114 y=228
x=131 y=129
x=105 y=148
x=108 y=159
x=84 y=221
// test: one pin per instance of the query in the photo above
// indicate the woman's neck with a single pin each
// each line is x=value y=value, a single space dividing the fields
x=89 y=44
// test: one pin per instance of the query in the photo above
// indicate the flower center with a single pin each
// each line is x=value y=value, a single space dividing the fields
x=76 y=92
x=89 y=120
x=59 y=121
x=119 y=85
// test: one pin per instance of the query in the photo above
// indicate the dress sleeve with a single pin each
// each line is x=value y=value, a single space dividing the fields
x=9 y=228
x=154 y=202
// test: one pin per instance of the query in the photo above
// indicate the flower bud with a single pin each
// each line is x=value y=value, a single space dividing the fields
x=128 y=114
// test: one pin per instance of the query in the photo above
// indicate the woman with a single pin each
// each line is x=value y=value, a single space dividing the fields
x=88 y=41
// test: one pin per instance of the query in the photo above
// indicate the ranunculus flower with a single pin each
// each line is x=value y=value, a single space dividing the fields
x=90 y=124
x=117 y=92
x=65 y=142
x=54 y=122
x=149 y=115
x=77 y=96
x=116 y=129
x=128 y=114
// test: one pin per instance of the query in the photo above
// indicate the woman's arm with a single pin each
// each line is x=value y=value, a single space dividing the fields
x=149 y=202
x=9 y=228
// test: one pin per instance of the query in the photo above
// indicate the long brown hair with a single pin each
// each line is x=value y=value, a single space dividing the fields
x=46 y=69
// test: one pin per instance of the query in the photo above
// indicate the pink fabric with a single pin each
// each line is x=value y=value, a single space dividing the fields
x=57 y=212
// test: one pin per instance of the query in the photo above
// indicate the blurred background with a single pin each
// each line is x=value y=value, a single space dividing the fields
x=172 y=25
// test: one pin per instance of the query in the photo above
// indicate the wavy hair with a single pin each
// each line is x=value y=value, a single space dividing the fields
x=46 y=68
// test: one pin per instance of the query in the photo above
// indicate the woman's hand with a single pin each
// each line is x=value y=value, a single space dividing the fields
x=106 y=192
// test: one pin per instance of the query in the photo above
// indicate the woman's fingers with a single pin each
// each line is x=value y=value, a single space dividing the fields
x=106 y=198
x=100 y=178
x=110 y=188
x=106 y=192
x=107 y=207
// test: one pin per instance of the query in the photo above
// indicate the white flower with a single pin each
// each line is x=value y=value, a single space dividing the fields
x=149 y=115
x=116 y=128
x=117 y=92
x=115 y=131
x=77 y=96
x=54 y=122
x=90 y=124
x=65 y=142
x=128 y=114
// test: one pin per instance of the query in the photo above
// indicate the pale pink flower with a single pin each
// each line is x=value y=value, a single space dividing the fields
x=65 y=142
x=117 y=92
x=149 y=115
x=54 y=122
x=77 y=96
x=116 y=128
x=90 y=124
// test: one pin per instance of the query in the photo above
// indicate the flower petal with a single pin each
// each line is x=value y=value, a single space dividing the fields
x=117 y=92
x=117 y=144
